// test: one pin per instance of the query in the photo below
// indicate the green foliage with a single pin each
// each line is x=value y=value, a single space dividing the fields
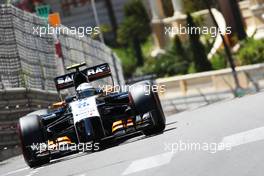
x=135 y=29
x=251 y=52
x=192 y=6
x=192 y=68
x=126 y=55
x=219 y=61
x=173 y=62
x=199 y=56
x=169 y=65
x=135 y=24
x=208 y=42
x=128 y=60
x=148 y=68
x=104 y=28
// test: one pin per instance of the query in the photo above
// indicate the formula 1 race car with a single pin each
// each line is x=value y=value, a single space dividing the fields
x=90 y=116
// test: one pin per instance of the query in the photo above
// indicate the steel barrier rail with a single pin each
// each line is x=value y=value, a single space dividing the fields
x=218 y=80
x=16 y=103
x=193 y=90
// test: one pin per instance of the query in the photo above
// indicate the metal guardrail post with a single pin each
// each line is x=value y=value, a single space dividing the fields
x=238 y=89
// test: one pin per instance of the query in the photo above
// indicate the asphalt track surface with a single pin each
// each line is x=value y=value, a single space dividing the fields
x=238 y=123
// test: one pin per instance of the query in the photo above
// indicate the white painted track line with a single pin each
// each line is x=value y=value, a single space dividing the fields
x=234 y=140
x=148 y=163
x=15 y=171
x=245 y=137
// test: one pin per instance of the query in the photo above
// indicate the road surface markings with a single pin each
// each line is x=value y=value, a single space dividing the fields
x=15 y=171
x=245 y=137
x=81 y=175
x=32 y=172
x=148 y=163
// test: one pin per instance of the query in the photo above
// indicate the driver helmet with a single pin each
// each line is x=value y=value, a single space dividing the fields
x=85 y=90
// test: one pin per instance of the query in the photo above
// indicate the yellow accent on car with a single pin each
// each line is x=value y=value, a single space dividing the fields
x=51 y=145
x=63 y=139
x=59 y=140
x=120 y=124
x=129 y=123
x=58 y=104
x=117 y=125
x=75 y=65
x=50 y=142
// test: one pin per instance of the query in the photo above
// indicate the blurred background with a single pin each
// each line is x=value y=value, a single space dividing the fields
x=135 y=30
x=197 y=69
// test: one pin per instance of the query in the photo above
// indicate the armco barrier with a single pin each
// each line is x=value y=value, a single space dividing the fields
x=194 y=90
x=15 y=103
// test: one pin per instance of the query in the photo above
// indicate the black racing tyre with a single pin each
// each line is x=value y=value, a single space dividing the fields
x=145 y=100
x=31 y=131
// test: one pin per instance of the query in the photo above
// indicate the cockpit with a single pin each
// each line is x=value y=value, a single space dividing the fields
x=86 y=90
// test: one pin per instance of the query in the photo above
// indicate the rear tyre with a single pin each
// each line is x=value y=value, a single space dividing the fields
x=31 y=132
x=145 y=100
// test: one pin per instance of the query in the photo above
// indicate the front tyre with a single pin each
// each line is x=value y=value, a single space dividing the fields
x=31 y=132
x=145 y=100
x=158 y=118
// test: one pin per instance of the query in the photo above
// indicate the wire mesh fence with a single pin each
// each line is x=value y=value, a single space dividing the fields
x=28 y=60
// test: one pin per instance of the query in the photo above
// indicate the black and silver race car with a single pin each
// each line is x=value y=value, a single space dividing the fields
x=91 y=116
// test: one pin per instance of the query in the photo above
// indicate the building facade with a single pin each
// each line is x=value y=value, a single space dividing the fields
x=79 y=13
x=252 y=12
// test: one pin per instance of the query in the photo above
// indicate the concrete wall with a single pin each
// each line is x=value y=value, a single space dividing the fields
x=194 y=90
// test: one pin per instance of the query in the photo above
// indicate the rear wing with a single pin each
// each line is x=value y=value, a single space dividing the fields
x=91 y=73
